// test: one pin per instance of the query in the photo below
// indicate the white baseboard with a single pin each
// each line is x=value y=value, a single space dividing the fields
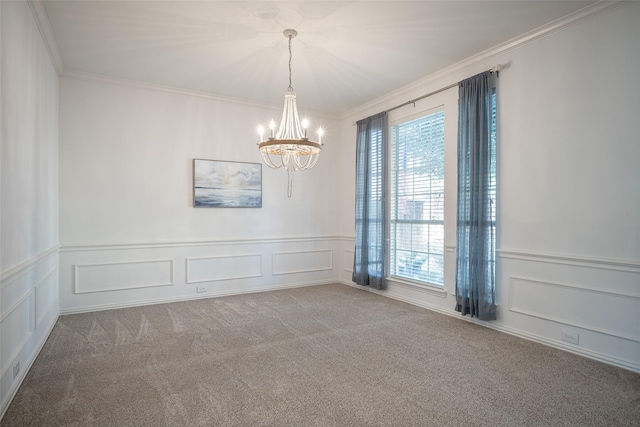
x=600 y=357
x=214 y=294
x=32 y=358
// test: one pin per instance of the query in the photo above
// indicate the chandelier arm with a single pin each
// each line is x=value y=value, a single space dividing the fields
x=268 y=161
x=289 y=183
x=315 y=160
x=311 y=161
x=303 y=163
x=286 y=158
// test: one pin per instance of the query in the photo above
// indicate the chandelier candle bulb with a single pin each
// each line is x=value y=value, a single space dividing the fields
x=272 y=126
x=261 y=133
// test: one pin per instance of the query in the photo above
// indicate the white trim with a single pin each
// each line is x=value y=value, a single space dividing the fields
x=428 y=289
x=79 y=247
x=572 y=260
x=349 y=251
x=579 y=287
x=46 y=31
x=45 y=277
x=15 y=354
x=25 y=340
x=82 y=75
x=581 y=351
x=564 y=321
x=14 y=272
x=32 y=358
x=310 y=270
x=35 y=298
x=15 y=305
x=76 y=269
x=407 y=285
x=187 y=271
x=217 y=294
x=489 y=55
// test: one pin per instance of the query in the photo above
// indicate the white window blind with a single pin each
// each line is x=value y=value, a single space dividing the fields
x=375 y=195
x=417 y=199
x=493 y=185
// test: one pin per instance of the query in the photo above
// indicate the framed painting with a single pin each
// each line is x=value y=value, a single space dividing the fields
x=222 y=184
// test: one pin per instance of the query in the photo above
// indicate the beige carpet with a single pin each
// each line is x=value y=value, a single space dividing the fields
x=317 y=356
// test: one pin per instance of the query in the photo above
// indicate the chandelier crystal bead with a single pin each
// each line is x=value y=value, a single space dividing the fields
x=289 y=147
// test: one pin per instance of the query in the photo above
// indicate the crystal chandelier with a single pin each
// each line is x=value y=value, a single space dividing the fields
x=288 y=146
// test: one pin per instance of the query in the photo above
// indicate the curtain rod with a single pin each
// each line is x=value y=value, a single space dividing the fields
x=495 y=69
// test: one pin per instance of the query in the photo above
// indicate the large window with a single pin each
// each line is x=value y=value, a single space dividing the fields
x=417 y=199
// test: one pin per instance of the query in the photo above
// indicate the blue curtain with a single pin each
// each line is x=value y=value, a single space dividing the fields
x=371 y=203
x=475 y=270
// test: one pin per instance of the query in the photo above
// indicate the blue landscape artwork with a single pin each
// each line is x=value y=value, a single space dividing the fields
x=221 y=184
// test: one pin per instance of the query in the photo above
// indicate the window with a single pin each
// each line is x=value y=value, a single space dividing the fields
x=417 y=199
x=492 y=185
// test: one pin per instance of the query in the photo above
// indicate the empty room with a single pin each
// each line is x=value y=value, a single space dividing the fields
x=327 y=213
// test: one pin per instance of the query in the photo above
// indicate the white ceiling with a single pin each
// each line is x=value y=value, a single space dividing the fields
x=346 y=54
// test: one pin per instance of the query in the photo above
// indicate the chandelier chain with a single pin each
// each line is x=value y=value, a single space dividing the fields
x=290 y=87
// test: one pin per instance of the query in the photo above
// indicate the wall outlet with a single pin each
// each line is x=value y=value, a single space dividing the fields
x=201 y=289
x=570 y=337
x=16 y=370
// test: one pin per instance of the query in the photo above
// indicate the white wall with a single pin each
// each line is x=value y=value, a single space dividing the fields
x=569 y=200
x=126 y=155
x=29 y=195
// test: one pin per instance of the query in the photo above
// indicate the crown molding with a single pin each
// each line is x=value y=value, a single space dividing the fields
x=448 y=75
x=82 y=75
x=46 y=31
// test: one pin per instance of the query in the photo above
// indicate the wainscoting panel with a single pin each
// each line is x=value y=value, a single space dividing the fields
x=577 y=306
x=547 y=296
x=301 y=261
x=215 y=268
x=28 y=311
x=122 y=275
x=46 y=291
x=16 y=328
x=100 y=276
x=347 y=260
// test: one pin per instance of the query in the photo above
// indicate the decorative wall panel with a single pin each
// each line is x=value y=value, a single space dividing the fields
x=301 y=261
x=122 y=275
x=209 y=269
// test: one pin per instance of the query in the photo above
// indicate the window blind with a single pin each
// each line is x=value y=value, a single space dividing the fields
x=417 y=199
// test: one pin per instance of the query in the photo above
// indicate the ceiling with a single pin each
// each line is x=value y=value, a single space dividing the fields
x=346 y=54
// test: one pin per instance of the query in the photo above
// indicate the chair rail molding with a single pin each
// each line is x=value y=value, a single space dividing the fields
x=79 y=247
x=12 y=273
x=572 y=260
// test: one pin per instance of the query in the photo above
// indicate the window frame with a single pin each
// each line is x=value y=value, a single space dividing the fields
x=446 y=101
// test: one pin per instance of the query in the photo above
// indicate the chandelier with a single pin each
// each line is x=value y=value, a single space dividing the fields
x=288 y=146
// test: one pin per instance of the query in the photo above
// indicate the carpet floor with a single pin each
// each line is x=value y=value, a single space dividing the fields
x=327 y=355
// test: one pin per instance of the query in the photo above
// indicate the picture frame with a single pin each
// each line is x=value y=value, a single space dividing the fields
x=226 y=184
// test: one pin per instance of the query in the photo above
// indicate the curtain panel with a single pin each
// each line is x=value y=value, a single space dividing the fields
x=475 y=266
x=371 y=202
